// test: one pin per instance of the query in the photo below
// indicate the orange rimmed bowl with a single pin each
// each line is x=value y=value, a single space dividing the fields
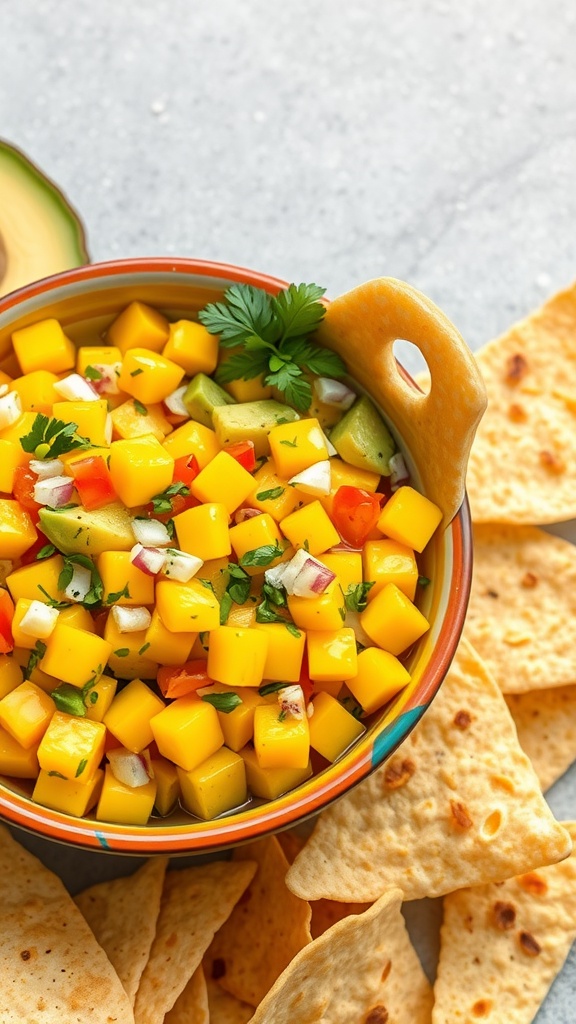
x=85 y=301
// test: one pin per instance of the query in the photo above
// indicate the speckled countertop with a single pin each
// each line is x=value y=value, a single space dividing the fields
x=432 y=140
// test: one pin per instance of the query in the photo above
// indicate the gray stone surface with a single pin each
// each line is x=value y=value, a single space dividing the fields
x=328 y=141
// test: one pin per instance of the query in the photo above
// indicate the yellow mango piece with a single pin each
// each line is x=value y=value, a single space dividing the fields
x=203 y=531
x=332 y=728
x=187 y=607
x=72 y=746
x=332 y=654
x=223 y=480
x=311 y=528
x=280 y=743
x=237 y=656
x=380 y=677
x=18 y=430
x=10 y=674
x=140 y=468
x=259 y=531
x=78 y=617
x=187 y=731
x=129 y=716
x=214 y=572
x=26 y=581
x=36 y=391
x=167 y=785
x=238 y=725
x=193 y=438
x=138 y=326
x=15 y=760
x=243 y=615
x=89 y=417
x=147 y=376
x=272 y=494
x=23 y=657
x=25 y=713
x=165 y=647
x=215 y=786
x=12 y=455
x=327 y=611
x=124 y=804
x=75 y=655
x=192 y=347
x=347 y=565
x=129 y=420
x=342 y=474
x=270 y=783
x=285 y=651
x=387 y=561
x=96 y=355
x=392 y=621
x=17 y=531
x=100 y=697
x=253 y=390
x=44 y=346
x=68 y=795
x=120 y=574
x=409 y=518
x=129 y=658
x=296 y=446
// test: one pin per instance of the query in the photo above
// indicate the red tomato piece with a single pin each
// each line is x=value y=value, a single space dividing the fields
x=93 y=482
x=355 y=513
x=6 y=616
x=186 y=469
x=183 y=679
x=23 y=488
x=31 y=554
x=243 y=452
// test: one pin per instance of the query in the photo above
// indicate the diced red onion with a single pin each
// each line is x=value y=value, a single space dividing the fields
x=46 y=468
x=80 y=584
x=316 y=479
x=292 y=702
x=129 y=768
x=148 y=560
x=174 y=402
x=10 y=409
x=399 y=474
x=313 y=579
x=242 y=514
x=107 y=383
x=76 y=389
x=131 y=620
x=39 y=620
x=151 y=533
x=181 y=566
x=334 y=393
x=56 y=491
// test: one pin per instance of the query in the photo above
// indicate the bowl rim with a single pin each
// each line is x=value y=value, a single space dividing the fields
x=295 y=807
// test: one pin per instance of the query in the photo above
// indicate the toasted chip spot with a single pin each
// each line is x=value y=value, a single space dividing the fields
x=460 y=816
x=517 y=413
x=528 y=944
x=552 y=462
x=503 y=916
x=377 y=1015
x=462 y=719
x=516 y=369
x=25 y=954
x=398 y=773
x=503 y=782
x=492 y=824
x=516 y=637
x=482 y=1007
x=492 y=593
x=387 y=969
x=533 y=884
x=529 y=580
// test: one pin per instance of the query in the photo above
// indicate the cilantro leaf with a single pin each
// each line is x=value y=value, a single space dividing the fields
x=225 y=702
x=262 y=555
x=274 y=492
x=36 y=655
x=242 y=366
x=112 y=598
x=94 y=595
x=92 y=373
x=244 y=312
x=298 y=310
x=356 y=596
x=163 y=502
x=225 y=607
x=70 y=699
x=46 y=552
x=48 y=438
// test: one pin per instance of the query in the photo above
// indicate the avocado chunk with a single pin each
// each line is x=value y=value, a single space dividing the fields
x=363 y=439
x=40 y=233
x=77 y=531
x=202 y=396
x=251 y=421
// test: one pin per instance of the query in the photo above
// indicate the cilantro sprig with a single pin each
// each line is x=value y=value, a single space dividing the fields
x=274 y=335
x=49 y=438
x=94 y=595
x=163 y=502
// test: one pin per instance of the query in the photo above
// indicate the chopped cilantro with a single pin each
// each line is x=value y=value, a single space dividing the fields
x=225 y=702
x=122 y=652
x=141 y=409
x=45 y=552
x=356 y=596
x=136 y=372
x=117 y=595
x=49 y=438
x=36 y=655
x=274 y=492
x=163 y=502
x=91 y=373
x=262 y=556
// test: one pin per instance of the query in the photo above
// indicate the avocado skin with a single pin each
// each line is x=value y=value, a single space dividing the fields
x=363 y=439
x=252 y=420
x=76 y=531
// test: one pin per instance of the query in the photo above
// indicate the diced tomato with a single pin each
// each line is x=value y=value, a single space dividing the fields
x=186 y=469
x=243 y=452
x=93 y=482
x=180 y=503
x=30 y=555
x=182 y=679
x=6 y=616
x=23 y=488
x=355 y=513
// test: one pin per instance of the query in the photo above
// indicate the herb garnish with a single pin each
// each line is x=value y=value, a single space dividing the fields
x=51 y=601
x=262 y=555
x=94 y=595
x=112 y=598
x=356 y=597
x=140 y=408
x=36 y=655
x=49 y=438
x=423 y=581
x=46 y=552
x=274 y=492
x=91 y=373
x=225 y=702
x=163 y=502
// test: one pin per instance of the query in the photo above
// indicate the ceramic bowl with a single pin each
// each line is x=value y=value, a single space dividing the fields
x=85 y=301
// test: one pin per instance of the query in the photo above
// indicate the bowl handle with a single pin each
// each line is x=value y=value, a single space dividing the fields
x=437 y=428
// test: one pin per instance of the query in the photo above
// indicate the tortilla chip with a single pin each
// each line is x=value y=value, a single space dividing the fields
x=362 y=969
x=325 y=913
x=224 y=1008
x=195 y=903
x=503 y=945
x=123 y=914
x=522 y=612
x=458 y=804
x=522 y=467
x=546 y=724
x=191 y=1007
x=266 y=929
x=51 y=966
x=437 y=429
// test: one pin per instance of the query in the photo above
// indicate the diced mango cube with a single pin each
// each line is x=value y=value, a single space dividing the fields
x=223 y=480
x=90 y=418
x=272 y=494
x=328 y=611
x=17 y=531
x=203 y=531
x=238 y=725
x=96 y=355
x=140 y=468
x=193 y=438
x=280 y=742
x=25 y=713
x=138 y=326
x=347 y=565
x=165 y=647
x=75 y=655
x=123 y=804
x=72 y=746
x=10 y=674
x=259 y=531
x=285 y=651
x=387 y=561
x=147 y=376
x=15 y=760
x=237 y=656
x=129 y=716
x=192 y=347
x=332 y=728
x=19 y=429
x=27 y=580
x=310 y=528
x=332 y=654
x=12 y=455
x=296 y=446
x=270 y=783
x=167 y=785
x=380 y=677
x=409 y=518
x=119 y=575
x=78 y=616
x=26 y=660
x=129 y=657
x=44 y=346
x=187 y=607
x=21 y=638
x=68 y=795
x=253 y=390
x=392 y=621
x=36 y=391
x=243 y=615
x=187 y=731
x=129 y=420
x=215 y=786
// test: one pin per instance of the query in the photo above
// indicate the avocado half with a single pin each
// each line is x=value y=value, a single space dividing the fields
x=40 y=233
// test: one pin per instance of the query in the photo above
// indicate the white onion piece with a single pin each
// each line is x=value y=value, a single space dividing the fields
x=39 y=620
x=151 y=533
x=56 y=491
x=180 y=565
x=46 y=468
x=148 y=560
x=275 y=575
x=242 y=514
x=399 y=474
x=10 y=409
x=174 y=402
x=80 y=584
x=313 y=579
x=316 y=479
x=129 y=768
x=331 y=449
x=76 y=389
x=334 y=393
x=131 y=620
x=107 y=383
x=292 y=702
